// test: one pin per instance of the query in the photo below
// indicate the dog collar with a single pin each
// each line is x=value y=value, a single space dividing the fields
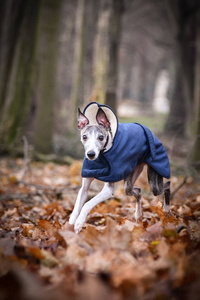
x=104 y=148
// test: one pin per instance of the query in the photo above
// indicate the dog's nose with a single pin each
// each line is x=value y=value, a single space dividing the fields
x=91 y=154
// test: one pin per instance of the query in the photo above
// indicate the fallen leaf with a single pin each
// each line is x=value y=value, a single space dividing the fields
x=194 y=231
x=51 y=230
x=152 y=233
x=163 y=248
x=13 y=180
x=48 y=259
x=129 y=225
x=170 y=233
x=27 y=229
x=36 y=252
x=184 y=210
x=137 y=231
x=9 y=213
x=139 y=248
x=129 y=277
x=75 y=169
x=109 y=207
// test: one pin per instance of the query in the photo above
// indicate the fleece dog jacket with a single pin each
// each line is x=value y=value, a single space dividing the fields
x=133 y=144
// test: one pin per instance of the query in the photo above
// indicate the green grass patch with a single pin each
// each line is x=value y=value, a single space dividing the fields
x=155 y=123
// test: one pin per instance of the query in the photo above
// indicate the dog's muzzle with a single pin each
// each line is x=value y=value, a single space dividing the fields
x=91 y=155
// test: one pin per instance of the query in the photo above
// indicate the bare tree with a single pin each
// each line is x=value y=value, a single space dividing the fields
x=114 y=30
x=181 y=15
x=101 y=52
x=106 y=52
x=78 y=61
x=195 y=157
x=49 y=25
x=19 y=39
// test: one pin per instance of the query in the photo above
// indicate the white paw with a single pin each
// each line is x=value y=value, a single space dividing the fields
x=79 y=224
x=167 y=210
x=138 y=214
x=138 y=217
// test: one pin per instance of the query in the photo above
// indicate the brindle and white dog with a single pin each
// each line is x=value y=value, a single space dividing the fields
x=97 y=139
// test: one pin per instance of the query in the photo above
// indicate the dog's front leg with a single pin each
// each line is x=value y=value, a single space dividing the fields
x=81 y=198
x=106 y=193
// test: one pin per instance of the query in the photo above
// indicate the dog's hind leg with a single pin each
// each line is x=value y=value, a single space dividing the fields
x=130 y=190
x=106 y=193
x=157 y=187
x=167 y=195
x=81 y=198
x=155 y=181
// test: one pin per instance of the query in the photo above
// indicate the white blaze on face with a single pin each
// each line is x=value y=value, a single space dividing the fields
x=93 y=140
x=92 y=149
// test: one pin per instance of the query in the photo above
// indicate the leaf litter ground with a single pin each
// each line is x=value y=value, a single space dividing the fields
x=113 y=257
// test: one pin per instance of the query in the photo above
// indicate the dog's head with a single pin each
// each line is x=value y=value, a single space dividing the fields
x=95 y=138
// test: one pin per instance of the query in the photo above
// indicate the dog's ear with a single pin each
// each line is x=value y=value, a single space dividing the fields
x=102 y=118
x=82 y=120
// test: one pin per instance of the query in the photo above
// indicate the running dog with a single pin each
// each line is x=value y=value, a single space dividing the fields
x=117 y=151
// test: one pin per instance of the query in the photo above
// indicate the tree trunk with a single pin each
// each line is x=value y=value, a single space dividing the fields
x=114 y=30
x=106 y=52
x=11 y=17
x=177 y=119
x=78 y=62
x=195 y=155
x=92 y=10
x=16 y=88
x=49 y=25
x=65 y=67
x=101 y=53
x=181 y=112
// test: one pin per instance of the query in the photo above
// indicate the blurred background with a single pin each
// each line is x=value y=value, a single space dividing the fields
x=141 y=57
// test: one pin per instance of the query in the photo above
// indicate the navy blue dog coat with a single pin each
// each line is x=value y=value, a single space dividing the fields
x=133 y=144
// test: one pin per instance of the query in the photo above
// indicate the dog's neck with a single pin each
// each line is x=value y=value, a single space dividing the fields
x=109 y=142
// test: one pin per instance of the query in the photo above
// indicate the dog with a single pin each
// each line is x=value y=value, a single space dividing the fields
x=116 y=151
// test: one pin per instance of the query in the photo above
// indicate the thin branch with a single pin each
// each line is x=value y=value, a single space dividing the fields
x=55 y=189
x=37 y=186
x=179 y=187
x=23 y=197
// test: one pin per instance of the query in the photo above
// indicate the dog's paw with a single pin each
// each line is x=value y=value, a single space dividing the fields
x=138 y=218
x=168 y=214
x=79 y=224
x=167 y=210
x=138 y=214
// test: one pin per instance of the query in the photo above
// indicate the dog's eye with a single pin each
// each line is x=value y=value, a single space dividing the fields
x=101 y=137
x=84 y=137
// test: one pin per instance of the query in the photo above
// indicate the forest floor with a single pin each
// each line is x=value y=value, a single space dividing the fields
x=113 y=257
